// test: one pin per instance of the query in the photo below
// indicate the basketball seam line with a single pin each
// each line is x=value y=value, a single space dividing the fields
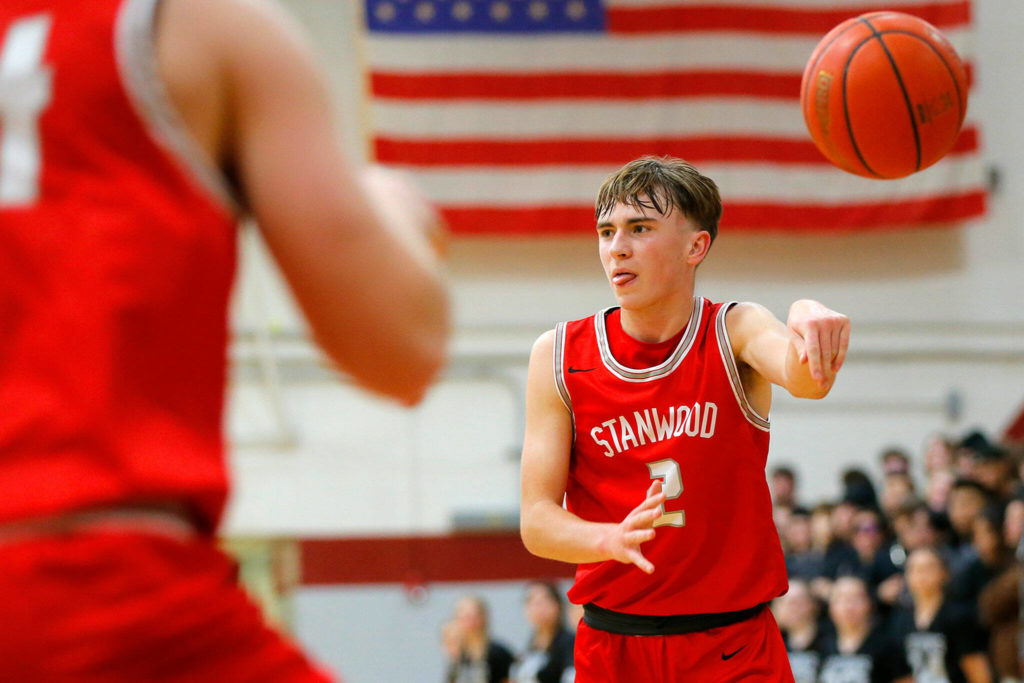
x=903 y=89
x=942 y=58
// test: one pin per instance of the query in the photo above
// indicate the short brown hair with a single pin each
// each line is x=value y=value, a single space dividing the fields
x=667 y=183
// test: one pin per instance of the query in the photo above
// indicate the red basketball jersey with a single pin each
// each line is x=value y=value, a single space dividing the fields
x=687 y=422
x=117 y=251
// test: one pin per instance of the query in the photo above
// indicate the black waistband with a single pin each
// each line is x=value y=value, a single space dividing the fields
x=675 y=624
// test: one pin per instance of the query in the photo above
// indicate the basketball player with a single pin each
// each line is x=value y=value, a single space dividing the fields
x=133 y=136
x=650 y=419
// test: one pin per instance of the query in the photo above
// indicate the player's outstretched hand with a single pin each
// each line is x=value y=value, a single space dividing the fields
x=824 y=337
x=625 y=539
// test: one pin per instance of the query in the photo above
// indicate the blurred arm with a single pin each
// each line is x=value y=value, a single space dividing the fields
x=353 y=247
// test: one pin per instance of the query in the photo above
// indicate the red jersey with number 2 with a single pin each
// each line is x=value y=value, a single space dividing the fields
x=686 y=421
x=117 y=252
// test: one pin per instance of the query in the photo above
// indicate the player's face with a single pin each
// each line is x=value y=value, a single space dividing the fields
x=649 y=258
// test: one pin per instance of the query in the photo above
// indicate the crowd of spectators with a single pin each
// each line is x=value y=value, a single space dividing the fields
x=914 y=579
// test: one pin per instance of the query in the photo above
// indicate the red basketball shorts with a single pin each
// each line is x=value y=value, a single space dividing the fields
x=117 y=606
x=750 y=650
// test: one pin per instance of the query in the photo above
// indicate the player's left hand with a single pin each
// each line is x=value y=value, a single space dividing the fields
x=824 y=337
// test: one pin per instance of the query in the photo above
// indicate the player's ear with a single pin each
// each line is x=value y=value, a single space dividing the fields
x=699 y=246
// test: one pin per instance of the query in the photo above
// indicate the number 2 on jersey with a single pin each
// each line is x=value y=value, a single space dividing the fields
x=25 y=91
x=672 y=483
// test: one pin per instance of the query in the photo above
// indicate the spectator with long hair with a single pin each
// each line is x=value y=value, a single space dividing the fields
x=943 y=642
x=798 y=615
x=481 y=658
x=803 y=561
x=860 y=650
x=549 y=654
x=937 y=454
x=992 y=557
x=966 y=502
x=871 y=559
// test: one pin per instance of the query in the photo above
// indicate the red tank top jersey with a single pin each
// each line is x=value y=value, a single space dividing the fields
x=688 y=422
x=117 y=252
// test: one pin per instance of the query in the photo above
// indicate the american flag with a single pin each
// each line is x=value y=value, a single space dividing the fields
x=510 y=113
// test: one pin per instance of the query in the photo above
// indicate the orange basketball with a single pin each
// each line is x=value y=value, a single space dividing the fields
x=884 y=95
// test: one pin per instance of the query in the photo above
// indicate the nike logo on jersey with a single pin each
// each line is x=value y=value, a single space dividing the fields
x=731 y=655
x=572 y=369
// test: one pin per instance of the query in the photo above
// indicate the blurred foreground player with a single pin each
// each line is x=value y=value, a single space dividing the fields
x=653 y=415
x=133 y=135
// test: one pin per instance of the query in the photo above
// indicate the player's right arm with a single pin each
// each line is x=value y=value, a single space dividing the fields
x=547 y=528
x=353 y=247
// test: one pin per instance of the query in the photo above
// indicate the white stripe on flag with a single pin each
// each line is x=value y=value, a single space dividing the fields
x=738 y=182
x=578 y=120
x=552 y=53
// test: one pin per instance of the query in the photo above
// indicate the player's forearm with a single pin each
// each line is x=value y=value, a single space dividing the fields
x=384 y=319
x=550 y=531
x=799 y=382
x=399 y=355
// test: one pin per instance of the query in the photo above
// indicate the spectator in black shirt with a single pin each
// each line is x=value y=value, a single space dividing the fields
x=943 y=643
x=803 y=561
x=991 y=558
x=798 y=615
x=897 y=488
x=985 y=462
x=938 y=454
x=938 y=491
x=966 y=502
x=481 y=660
x=872 y=562
x=916 y=527
x=549 y=654
x=782 y=484
x=894 y=460
x=994 y=470
x=840 y=555
x=859 y=651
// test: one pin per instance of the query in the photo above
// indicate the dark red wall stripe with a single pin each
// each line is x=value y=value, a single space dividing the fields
x=492 y=556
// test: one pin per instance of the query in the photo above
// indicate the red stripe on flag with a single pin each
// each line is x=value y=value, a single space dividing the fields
x=582 y=85
x=561 y=220
x=759 y=19
x=510 y=87
x=936 y=210
x=602 y=151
